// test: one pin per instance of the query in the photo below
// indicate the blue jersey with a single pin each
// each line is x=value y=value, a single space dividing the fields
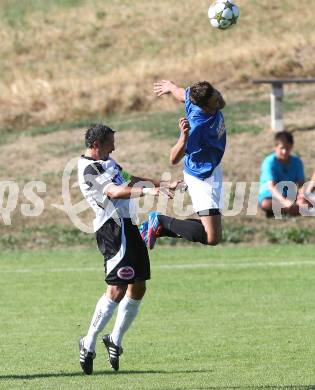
x=274 y=170
x=206 y=141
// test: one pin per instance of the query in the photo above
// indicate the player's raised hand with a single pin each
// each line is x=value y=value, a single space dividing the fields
x=184 y=127
x=163 y=87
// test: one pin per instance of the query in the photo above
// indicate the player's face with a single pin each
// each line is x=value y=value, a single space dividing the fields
x=110 y=142
x=212 y=105
x=108 y=147
x=283 y=150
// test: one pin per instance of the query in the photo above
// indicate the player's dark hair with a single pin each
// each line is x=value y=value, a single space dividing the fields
x=201 y=92
x=97 y=132
x=284 y=136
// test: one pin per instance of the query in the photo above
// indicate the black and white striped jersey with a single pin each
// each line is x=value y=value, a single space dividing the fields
x=94 y=176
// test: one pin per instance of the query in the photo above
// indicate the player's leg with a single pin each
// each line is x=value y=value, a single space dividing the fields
x=104 y=310
x=207 y=230
x=205 y=196
x=189 y=229
x=111 y=244
x=213 y=227
x=135 y=270
x=127 y=311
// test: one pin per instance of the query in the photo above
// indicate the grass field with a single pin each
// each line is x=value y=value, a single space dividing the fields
x=212 y=319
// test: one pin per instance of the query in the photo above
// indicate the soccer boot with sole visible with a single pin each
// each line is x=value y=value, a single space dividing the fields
x=113 y=351
x=143 y=229
x=154 y=228
x=86 y=358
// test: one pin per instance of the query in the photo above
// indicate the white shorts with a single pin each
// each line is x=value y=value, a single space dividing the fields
x=205 y=194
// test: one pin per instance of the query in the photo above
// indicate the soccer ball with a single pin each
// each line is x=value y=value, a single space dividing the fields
x=223 y=14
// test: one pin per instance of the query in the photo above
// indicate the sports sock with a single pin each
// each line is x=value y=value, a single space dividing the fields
x=190 y=229
x=127 y=311
x=103 y=312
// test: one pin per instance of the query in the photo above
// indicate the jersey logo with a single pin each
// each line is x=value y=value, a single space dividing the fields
x=126 y=273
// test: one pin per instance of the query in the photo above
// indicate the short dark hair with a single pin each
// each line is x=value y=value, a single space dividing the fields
x=201 y=92
x=284 y=136
x=97 y=132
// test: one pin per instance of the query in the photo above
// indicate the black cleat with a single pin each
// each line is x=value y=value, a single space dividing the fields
x=86 y=358
x=113 y=351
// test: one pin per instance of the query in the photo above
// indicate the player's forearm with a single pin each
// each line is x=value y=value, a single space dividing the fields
x=178 y=93
x=135 y=179
x=124 y=192
x=178 y=151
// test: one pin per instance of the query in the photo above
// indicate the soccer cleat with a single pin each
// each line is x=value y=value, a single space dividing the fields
x=143 y=228
x=113 y=351
x=154 y=229
x=86 y=358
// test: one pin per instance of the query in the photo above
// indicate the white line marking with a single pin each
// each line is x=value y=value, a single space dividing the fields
x=172 y=266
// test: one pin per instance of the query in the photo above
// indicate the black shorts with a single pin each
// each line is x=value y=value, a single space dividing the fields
x=126 y=258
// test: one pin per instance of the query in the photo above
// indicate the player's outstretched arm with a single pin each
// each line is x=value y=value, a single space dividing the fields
x=164 y=87
x=178 y=150
x=157 y=183
x=114 y=191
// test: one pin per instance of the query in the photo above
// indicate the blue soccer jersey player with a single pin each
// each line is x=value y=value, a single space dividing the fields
x=277 y=168
x=201 y=145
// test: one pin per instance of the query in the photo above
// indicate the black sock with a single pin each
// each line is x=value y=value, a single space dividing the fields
x=165 y=222
x=191 y=230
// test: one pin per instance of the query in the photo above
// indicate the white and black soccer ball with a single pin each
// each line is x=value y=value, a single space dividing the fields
x=223 y=14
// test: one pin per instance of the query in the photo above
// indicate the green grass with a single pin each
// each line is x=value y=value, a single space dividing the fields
x=239 y=118
x=213 y=318
x=54 y=235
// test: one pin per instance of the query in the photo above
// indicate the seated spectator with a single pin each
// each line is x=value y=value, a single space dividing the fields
x=282 y=166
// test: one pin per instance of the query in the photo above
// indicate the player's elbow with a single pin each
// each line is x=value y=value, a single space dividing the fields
x=173 y=160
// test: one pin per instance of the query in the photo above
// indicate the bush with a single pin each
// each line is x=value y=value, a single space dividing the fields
x=292 y=235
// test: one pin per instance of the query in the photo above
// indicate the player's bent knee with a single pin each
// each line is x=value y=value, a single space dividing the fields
x=213 y=241
x=116 y=293
x=214 y=238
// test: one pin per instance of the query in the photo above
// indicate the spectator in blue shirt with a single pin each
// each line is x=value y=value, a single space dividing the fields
x=280 y=167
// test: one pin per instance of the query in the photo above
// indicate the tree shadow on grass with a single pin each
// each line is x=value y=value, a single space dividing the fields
x=141 y=372
x=95 y=373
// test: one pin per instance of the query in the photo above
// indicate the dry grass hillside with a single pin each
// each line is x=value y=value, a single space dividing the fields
x=64 y=60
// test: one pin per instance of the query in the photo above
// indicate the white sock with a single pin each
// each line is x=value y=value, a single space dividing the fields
x=127 y=311
x=103 y=312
